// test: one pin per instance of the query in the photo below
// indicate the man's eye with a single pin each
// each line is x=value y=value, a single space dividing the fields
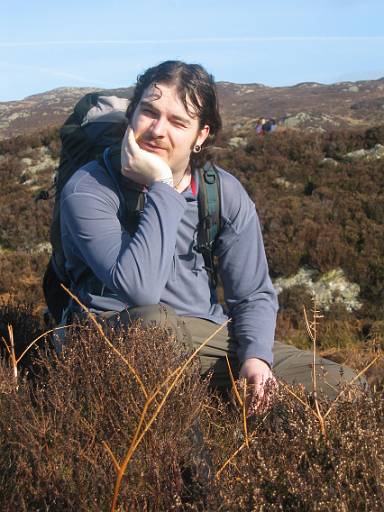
x=147 y=111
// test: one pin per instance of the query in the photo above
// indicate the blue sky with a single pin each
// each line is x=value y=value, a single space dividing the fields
x=48 y=44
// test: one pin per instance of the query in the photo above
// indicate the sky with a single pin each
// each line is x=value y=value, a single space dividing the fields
x=46 y=44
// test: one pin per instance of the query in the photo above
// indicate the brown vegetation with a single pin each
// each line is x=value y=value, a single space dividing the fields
x=56 y=420
x=65 y=431
x=319 y=213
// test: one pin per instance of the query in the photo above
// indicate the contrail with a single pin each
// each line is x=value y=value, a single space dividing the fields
x=55 y=72
x=199 y=40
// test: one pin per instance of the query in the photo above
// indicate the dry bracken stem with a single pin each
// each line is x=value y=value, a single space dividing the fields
x=114 y=460
x=229 y=460
x=138 y=438
x=129 y=454
x=38 y=338
x=320 y=419
x=234 y=387
x=99 y=328
x=352 y=382
x=312 y=332
x=12 y=352
x=6 y=345
x=182 y=367
x=308 y=324
x=245 y=414
x=306 y=406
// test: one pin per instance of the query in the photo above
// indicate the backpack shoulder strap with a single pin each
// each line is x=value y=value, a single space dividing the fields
x=209 y=216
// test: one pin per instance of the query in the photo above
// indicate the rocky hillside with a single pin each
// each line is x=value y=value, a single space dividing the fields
x=319 y=198
x=306 y=105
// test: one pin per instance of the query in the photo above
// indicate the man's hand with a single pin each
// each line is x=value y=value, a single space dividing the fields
x=257 y=374
x=142 y=166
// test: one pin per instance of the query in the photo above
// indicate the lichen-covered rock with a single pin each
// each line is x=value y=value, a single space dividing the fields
x=311 y=121
x=43 y=247
x=330 y=288
x=284 y=183
x=237 y=142
x=31 y=167
x=329 y=161
x=375 y=153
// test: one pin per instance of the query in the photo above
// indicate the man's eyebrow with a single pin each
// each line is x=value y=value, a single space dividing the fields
x=175 y=117
x=145 y=103
x=181 y=119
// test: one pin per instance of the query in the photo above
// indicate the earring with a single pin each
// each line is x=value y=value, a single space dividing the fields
x=197 y=148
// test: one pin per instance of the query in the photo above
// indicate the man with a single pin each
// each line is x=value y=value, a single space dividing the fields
x=157 y=274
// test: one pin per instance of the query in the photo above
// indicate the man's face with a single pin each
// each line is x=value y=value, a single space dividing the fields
x=163 y=126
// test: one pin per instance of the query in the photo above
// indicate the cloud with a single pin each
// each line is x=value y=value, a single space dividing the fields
x=198 y=40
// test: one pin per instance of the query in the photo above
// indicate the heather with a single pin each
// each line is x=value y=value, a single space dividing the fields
x=67 y=422
x=318 y=209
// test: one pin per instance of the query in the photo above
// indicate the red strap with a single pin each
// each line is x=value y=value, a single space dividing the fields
x=193 y=185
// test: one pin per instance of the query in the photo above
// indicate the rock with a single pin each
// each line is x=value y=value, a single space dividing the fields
x=237 y=142
x=18 y=115
x=305 y=85
x=44 y=160
x=310 y=121
x=43 y=247
x=26 y=161
x=330 y=161
x=302 y=278
x=296 y=120
x=352 y=88
x=28 y=182
x=332 y=287
x=375 y=153
x=283 y=183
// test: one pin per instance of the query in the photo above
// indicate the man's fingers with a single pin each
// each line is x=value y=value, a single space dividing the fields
x=259 y=394
x=254 y=392
x=129 y=149
x=263 y=404
x=132 y=144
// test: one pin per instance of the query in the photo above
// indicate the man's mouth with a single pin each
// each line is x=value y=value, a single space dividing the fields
x=152 y=146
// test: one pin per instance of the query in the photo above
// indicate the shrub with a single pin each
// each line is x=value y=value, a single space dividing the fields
x=55 y=429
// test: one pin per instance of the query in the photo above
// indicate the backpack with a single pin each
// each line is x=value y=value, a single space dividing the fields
x=95 y=127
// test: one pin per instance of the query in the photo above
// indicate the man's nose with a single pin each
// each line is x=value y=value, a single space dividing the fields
x=158 y=127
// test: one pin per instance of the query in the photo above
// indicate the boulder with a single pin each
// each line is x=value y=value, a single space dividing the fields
x=330 y=288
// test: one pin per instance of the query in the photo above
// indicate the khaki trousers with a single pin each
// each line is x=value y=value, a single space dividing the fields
x=291 y=365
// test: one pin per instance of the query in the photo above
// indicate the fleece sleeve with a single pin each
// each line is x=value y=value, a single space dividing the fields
x=136 y=268
x=248 y=290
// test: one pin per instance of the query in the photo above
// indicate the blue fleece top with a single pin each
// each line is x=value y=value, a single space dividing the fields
x=159 y=263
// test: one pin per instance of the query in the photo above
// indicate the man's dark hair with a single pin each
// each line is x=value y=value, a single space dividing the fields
x=192 y=82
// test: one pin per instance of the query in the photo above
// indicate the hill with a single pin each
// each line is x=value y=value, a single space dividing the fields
x=306 y=105
x=319 y=198
x=66 y=423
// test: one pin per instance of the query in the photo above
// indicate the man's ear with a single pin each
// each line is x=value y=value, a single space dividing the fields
x=202 y=135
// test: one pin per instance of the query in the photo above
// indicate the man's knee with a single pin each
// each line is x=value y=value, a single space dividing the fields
x=297 y=366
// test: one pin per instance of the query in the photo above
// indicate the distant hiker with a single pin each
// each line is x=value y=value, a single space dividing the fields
x=269 y=126
x=259 y=127
x=162 y=269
